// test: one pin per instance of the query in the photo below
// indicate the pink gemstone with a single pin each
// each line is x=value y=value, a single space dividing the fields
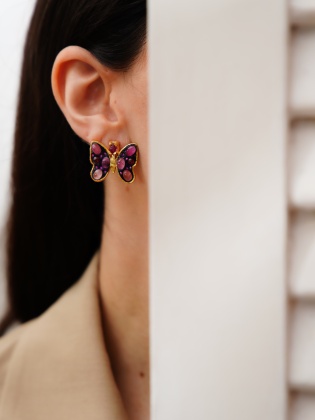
x=121 y=163
x=96 y=148
x=131 y=150
x=127 y=175
x=98 y=174
x=112 y=148
x=105 y=162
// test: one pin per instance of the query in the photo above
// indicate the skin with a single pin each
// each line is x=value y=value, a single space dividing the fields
x=102 y=104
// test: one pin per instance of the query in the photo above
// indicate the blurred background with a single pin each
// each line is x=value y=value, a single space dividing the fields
x=14 y=19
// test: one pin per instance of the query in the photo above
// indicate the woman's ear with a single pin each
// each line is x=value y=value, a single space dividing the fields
x=82 y=88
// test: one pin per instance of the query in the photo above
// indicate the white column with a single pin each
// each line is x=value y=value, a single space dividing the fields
x=218 y=209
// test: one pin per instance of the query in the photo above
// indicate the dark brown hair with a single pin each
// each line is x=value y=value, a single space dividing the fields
x=55 y=219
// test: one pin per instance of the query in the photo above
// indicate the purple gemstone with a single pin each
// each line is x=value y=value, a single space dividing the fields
x=127 y=175
x=96 y=160
x=112 y=148
x=98 y=174
x=96 y=148
x=131 y=150
x=105 y=162
x=131 y=161
x=121 y=163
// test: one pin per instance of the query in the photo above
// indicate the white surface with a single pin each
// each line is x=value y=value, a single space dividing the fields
x=302 y=164
x=302 y=98
x=302 y=12
x=302 y=255
x=302 y=4
x=218 y=209
x=303 y=407
x=302 y=348
x=14 y=18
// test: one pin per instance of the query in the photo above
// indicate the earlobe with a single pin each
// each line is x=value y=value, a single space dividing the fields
x=82 y=90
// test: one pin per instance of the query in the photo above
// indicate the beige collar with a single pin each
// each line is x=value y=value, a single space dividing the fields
x=59 y=369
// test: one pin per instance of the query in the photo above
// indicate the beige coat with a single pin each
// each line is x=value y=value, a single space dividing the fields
x=55 y=367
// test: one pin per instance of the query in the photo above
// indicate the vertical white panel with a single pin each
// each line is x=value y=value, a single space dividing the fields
x=302 y=255
x=302 y=12
x=302 y=344
x=218 y=209
x=302 y=164
x=301 y=372
x=303 y=407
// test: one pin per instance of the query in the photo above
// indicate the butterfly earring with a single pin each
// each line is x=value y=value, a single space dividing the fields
x=104 y=160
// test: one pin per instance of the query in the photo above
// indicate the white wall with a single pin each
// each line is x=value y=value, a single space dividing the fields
x=218 y=209
x=14 y=18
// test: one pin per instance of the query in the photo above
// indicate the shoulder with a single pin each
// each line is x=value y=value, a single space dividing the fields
x=57 y=318
x=55 y=323
x=56 y=365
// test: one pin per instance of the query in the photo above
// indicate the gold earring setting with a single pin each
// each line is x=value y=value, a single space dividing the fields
x=109 y=159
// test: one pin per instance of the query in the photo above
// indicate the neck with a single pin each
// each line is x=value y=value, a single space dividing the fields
x=124 y=285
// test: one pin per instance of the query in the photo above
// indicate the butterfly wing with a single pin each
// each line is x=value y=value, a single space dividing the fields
x=100 y=159
x=126 y=161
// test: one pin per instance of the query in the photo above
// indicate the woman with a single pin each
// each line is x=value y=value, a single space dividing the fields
x=77 y=250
